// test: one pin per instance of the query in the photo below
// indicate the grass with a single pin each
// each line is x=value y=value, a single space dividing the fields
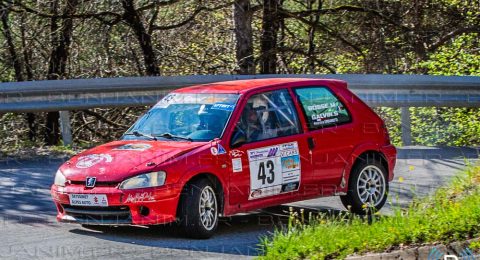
x=451 y=214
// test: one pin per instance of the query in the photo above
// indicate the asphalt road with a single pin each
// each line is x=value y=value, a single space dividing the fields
x=28 y=229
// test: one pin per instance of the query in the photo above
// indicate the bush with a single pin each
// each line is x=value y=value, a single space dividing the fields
x=452 y=213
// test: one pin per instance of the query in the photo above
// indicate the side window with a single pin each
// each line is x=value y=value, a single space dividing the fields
x=267 y=115
x=322 y=108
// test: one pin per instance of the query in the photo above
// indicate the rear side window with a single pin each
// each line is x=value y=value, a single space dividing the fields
x=322 y=108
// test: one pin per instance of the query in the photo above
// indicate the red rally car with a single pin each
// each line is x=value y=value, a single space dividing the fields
x=219 y=149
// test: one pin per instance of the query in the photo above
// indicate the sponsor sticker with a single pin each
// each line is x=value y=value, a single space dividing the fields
x=323 y=106
x=218 y=150
x=290 y=163
x=272 y=152
x=221 y=150
x=139 y=197
x=236 y=153
x=256 y=194
x=165 y=102
x=88 y=200
x=258 y=154
x=325 y=113
x=221 y=106
x=292 y=186
x=237 y=165
x=214 y=150
x=90 y=160
x=288 y=146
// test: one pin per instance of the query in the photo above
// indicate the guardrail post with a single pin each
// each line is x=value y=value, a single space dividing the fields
x=65 y=127
x=406 y=126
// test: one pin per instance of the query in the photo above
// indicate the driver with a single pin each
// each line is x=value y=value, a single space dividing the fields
x=259 y=125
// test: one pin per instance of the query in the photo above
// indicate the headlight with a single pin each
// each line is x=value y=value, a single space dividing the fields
x=152 y=179
x=60 y=179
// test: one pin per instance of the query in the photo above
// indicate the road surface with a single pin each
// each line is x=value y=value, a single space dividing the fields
x=28 y=229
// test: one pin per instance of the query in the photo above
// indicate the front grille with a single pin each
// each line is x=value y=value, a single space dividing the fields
x=114 y=215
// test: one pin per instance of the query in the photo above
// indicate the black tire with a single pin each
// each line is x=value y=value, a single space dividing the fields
x=192 y=205
x=366 y=195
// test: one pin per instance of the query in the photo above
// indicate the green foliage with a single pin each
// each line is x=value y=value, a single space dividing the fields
x=391 y=116
x=348 y=63
x=63 y=149
x=444 y=126
x=475 y=245
x=460 y=57
x=9 y=141
x=451 y=214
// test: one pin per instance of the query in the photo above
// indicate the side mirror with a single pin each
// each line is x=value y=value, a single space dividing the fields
x=238 y=139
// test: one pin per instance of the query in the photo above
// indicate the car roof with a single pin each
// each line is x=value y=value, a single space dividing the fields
x=242 y=86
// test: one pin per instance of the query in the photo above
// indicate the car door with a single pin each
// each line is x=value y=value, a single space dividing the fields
x=331 y=134
x=268 y=163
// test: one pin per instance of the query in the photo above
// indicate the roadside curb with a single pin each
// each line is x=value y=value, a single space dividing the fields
x=421 y=252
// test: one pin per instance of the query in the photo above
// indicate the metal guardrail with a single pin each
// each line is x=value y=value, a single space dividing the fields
x=376 y=90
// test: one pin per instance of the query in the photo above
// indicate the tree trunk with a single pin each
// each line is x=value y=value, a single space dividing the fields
x=268 y=39
x=61 y=39
x=17 y=67
x=26 y=51
x=14 y=59
x=61 y=42
x=27 y=55
x=134 y=21
x=314 y=18
x=242 y=15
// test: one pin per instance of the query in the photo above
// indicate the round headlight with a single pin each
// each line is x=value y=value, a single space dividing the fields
x=60 y=179
x=152 y=179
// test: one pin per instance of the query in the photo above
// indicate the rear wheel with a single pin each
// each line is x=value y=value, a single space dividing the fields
x=367 y=187
x=198 y=212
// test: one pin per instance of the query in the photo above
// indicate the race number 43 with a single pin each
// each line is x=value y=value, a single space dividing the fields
x=262 y=172
x=274 y=170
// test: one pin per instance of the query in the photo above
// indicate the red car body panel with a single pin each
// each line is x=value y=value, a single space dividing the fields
x=325 y=169
x=125 y=163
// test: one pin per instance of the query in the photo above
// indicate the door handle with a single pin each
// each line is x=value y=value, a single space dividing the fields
x=311 y=143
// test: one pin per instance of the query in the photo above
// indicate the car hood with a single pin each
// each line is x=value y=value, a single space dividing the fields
x=118 y=160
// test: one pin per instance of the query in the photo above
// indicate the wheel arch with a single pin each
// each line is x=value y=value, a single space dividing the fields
x=352 y=198
x=215 y=180
x=369 y=153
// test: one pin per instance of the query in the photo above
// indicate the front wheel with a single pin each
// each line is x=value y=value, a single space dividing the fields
x=367 y=188
x=198 y=211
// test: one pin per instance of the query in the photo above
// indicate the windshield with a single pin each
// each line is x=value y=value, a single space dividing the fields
x=196 y=117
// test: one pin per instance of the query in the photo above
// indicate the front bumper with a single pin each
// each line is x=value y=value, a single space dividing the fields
x=149 y=206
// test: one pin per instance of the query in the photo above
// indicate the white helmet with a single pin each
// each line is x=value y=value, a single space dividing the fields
x=261 y=104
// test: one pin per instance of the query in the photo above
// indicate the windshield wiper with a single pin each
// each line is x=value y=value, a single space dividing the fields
x=139 y=134
x=170 y=136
